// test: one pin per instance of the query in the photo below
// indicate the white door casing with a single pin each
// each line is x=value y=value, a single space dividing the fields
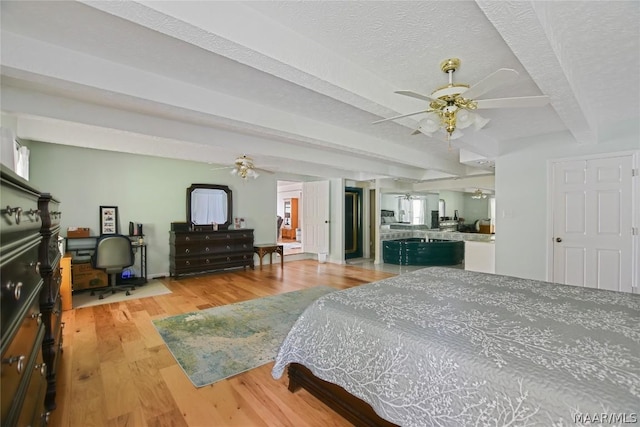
x=592 y=222
x=315 y=214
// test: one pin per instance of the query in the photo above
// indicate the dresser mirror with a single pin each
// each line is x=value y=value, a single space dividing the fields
x=209 y=204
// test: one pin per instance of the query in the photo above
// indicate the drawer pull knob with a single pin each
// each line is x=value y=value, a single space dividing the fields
x=42 y=367
x=206 y=249
x=187 y=238
x=13 y=359
x=228 y=247
x=186 y=251
x=36 y=266
x=16 y=288
x=207 y=261
x=206 y=237
x=35 y=212
x=45 y=417
x=11 y=211
x=188 y=262
x=38 y=317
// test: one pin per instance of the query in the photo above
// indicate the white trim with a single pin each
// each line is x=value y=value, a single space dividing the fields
x=635 y=219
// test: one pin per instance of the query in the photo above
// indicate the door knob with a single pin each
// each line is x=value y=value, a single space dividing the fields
x=558 y=239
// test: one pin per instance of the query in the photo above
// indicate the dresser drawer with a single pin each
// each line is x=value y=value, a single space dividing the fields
x=20 y=280
x=194 y=249
x=244 y=246
x=19 y=212
x=212 y=262
x=19 y=356
x=33 y=403
x=218 y=237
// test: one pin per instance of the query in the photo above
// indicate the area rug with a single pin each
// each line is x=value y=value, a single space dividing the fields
x=151 y=289
x=217 y=343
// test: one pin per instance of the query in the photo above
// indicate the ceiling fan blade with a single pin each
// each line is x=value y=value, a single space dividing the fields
x=503 y=76
x=264 y=170
x=401 y=116
x=518 y=102
x=413 y=94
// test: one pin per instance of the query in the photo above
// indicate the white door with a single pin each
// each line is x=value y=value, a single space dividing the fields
x=592 y=223
x=315 y=217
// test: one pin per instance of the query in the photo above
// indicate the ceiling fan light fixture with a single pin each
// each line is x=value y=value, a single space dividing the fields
x=478 y=194
x=429 y=124
x=244 y=168
x=455 y=103
x=465 y=119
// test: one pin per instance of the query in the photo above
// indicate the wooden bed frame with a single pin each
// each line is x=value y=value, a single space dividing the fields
x=353 y=409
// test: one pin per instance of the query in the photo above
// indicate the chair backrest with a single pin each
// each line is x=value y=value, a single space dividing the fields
x=113 y=253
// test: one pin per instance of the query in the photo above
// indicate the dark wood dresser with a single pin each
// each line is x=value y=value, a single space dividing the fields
x=50 y=300
x=24 y=371
x=207 y=251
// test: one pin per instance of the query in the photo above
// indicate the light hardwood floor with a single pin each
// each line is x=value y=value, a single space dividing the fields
x=116 y=371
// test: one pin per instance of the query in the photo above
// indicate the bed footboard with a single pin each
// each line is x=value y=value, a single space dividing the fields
x=351 y=408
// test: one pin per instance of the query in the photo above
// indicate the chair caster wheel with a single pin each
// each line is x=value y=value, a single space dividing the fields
x=127 y=293
x=101 y=297
x=92 y=293
x=133 y=288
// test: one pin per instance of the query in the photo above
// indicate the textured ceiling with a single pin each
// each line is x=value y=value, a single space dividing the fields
x=296 y=85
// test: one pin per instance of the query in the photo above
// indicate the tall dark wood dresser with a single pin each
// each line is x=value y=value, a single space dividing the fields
x=24 y=272
x=50 y=300
x=207 y=251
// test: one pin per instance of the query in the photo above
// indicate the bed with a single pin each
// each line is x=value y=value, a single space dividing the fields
x=446 y=347
x=388 y=217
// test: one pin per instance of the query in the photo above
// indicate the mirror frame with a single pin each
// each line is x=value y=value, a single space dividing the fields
x=224 y=188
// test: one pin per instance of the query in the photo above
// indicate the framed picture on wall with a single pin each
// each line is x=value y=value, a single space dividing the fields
x=109 y=220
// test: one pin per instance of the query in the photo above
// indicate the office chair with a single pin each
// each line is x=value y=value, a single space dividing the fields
x=113 y=254
x=279 y=222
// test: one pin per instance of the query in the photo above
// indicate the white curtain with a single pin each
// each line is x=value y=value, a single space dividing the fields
x=419 y=211
x=13 y=154
x=208 y=207
x=21 y=160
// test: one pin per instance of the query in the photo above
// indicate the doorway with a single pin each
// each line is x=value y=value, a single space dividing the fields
x=592 y=222
x=289 y=218
x=352 y=222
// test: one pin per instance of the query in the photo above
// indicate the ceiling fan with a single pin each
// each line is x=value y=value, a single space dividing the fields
x=244 y=167
x=451 y=107
x=410 y=197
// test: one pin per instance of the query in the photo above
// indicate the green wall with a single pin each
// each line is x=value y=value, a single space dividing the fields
x=147 y=190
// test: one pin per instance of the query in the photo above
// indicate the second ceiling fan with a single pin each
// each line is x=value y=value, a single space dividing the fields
x=451 y=107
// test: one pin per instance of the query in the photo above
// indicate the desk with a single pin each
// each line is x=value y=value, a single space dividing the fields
x=81 y=249
x=269 y=248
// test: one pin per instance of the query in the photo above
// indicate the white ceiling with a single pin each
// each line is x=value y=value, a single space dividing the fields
x=296 y=85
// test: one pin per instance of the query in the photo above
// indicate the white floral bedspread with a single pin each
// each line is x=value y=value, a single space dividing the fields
x=448 y=347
